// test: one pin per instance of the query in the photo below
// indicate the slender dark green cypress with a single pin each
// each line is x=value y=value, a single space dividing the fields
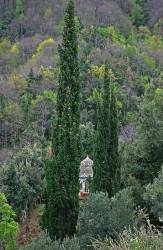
x=106 y=159
x=102 y=140
x=62 y=189
x=115 y=175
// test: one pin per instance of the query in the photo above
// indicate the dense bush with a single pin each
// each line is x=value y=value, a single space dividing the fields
x=8 y=227
x=154 y=197
x=22 y=178
x=101 y=216
x=44 y=242
x=139 y=239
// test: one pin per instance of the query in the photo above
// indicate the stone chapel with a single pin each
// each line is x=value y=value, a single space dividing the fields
x=86 y=171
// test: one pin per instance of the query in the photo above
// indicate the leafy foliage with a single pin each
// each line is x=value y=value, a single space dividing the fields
x=17 y=82
x=19 y=178
x=137 y=15
x=8 y=227
x=112 y=32
x=42 y=46
x=101 y=216
x=99 y=72
x=139 y=239
x=87 y=139
x=154 y=197
x=149 y=142
x=19 y=10
x=44 y=242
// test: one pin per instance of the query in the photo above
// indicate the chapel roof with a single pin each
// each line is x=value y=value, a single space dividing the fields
x=86 y=169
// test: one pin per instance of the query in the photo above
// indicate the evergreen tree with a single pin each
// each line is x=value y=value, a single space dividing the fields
x=137 y=16
x=62 y=189
x=31 y=77
x=148 y=148
x=33 y=80
x=106 y=159
x=20 y=15
x=102 y=140
x=114 y=155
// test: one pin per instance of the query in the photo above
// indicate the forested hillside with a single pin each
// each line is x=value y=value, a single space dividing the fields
x=129 y=35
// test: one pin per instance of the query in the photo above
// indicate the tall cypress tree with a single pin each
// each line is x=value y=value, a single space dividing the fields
x=102 y=139
x=106 y=160
x=62 y=189
x=114 y=169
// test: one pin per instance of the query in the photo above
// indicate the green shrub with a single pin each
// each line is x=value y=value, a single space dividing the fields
x=141 y=84
x=154 y=42
x=131 y=38
x=19 y=177
x=150 y=62
x=102 y=31
x=115 y=35
x=101 y=216
x=131 y=49
x=4 y=45
x=146 y=239
x=8 y=227
x=154 y=197
x=44 y=242
x=112 y=32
